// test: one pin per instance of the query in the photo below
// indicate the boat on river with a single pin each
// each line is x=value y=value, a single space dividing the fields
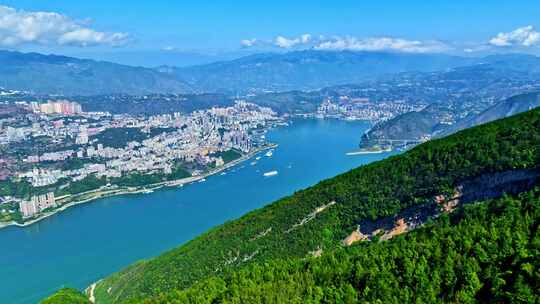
x=270 y=173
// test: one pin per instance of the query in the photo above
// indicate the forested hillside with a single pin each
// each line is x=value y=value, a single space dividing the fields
x=488 y=252
x=67 y=296
x=471 y=165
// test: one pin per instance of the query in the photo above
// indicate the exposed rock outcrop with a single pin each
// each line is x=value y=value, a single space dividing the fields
x=354 y=237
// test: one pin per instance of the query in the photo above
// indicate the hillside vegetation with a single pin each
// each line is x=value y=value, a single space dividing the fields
x=309 y=220
x=488 y=252
x=485 y=252
x=67 y=296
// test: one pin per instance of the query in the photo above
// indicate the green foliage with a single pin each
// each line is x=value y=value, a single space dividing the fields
x=14 y=188
x=489 y=252
x=119 y=137
x=229 y=155
x=373 y=191
x=90 y=182
x=137 y=179
x=67 y=296
x=178 y=172
x=158 y=131
x=10 y=212
x=74 y=163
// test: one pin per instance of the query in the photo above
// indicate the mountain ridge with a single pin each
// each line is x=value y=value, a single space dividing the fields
x=511 y=106
x=63 y=75
x=307 y=69
x=257 y=73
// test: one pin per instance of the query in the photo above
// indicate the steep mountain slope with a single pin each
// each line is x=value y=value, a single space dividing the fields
x=306 y=70
x=487 y=252
x=478 y=163
x=51 y=74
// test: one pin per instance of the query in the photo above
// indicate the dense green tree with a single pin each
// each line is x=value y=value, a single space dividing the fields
x=67 y=296
x=409 y=268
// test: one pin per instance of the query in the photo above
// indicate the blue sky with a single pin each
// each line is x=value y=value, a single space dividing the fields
x=221 y=26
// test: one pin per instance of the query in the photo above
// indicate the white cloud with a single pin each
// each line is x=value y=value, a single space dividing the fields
x=523 y=36
x=248 y=42
x=288 y=43
x=382 y=44
x=306 y=38
x=48 y=28
x=352 y=43
x=476 y=48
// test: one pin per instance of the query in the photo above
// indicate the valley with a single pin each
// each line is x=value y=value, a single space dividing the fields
x=177 y=152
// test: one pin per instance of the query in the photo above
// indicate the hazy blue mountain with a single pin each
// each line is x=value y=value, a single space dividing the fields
x=429 y=122
x=410 y=126
x=157 y=58
x=511 y=106
x=306 y=70
x=516 y=62
x=51 y=74
x=260 y=73
x=464 y=89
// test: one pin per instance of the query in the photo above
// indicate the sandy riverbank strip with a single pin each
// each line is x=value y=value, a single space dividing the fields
x=103 y=193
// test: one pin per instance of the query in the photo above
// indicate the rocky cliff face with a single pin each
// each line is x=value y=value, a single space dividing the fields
x=486 y=186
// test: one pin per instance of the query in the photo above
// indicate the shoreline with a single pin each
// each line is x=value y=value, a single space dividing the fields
x=139 y=190
x=353 y=153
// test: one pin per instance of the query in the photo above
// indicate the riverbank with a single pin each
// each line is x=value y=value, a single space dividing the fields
x=368 y=151
x=95 y=194
x=80 y=241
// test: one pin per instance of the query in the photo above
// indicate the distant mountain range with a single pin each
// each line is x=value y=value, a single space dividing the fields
x=51 y=74
x=306 y=70
x=254 y=74
x=458 y=90
x=302 y=70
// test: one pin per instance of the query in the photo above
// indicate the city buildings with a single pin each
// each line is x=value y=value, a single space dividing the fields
x=37 y=204
x=64 y=107
x=118 y=146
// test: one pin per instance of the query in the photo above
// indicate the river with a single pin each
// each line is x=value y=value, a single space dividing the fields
x=87 y=242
